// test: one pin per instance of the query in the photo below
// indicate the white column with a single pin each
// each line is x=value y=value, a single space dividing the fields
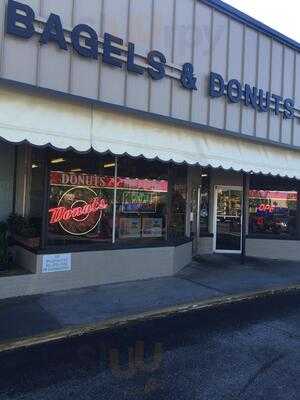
x=23 y=180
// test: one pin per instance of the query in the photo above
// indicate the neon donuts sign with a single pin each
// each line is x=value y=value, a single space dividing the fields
x=79 y=211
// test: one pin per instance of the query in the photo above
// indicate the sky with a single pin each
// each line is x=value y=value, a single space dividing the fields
x=282 y=16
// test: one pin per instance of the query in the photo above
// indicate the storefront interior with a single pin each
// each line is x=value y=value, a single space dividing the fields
x=67 y=201
x=75 y=200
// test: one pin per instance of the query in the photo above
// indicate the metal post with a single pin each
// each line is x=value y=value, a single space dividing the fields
x=46 y=195
x=298 y=213
x=198 y=213
x=244 y=217
x=169 y=233
x=15 y=179
x=189 y=204
x=115 y=202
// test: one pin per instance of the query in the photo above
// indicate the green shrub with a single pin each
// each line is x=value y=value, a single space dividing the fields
x=24 y=226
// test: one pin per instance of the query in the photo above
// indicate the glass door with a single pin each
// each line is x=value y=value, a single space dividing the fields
x=228 y=220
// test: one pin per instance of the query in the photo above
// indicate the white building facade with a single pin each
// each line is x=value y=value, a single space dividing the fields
x=136 y=134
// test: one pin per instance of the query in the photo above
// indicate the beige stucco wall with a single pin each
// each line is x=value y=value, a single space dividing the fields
x=273 y=249
x=95 y=268
x=25 y=258
x=262 y=248
x=182 y=256
x=205 y=245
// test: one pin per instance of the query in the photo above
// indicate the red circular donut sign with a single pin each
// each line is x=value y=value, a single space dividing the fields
x=79 y=211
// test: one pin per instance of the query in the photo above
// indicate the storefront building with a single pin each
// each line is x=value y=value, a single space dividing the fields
x=136 y=134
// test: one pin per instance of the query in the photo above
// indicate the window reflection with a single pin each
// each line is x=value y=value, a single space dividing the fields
x=204 y=202
x=81 y=198
x=82 y=194
x=142 y=199
x=273 y=212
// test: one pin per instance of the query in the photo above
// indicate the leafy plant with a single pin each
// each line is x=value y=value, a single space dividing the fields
x=24 y=226
x=4 y=256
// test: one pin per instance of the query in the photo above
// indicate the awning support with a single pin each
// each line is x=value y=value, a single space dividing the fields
x=46 y=197
x=244 y=217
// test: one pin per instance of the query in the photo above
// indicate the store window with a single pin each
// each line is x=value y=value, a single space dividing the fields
x=25 y=224
x=142 y=200
x=273 y=208
x=94 y=199
x=81 y=198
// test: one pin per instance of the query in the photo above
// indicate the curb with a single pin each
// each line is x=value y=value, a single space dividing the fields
x=80 y=330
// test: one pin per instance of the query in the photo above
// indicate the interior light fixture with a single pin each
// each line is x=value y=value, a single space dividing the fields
x=76 y=170
x=110 y=165
x=58 y=161
x=34 y=166
x=204 y=175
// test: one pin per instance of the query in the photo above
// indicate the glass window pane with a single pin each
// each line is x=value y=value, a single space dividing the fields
x=273 y=212
x=229 y=208
x=142 y=199
x=81 y=198
x=26 y=224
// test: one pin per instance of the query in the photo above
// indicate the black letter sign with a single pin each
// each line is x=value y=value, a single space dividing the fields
x=158 y=67
x=13 y=16
x=54 y=32
x=131 y=66
x=108 y=49
x=216 y=85
x=91 y=42
x=188 y=80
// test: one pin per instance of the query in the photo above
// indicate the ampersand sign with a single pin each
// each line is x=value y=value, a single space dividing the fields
x=188 y=80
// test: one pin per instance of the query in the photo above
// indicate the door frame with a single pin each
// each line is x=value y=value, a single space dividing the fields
x=226 y=187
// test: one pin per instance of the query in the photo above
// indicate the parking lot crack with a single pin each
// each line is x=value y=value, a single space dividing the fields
x=262 y=370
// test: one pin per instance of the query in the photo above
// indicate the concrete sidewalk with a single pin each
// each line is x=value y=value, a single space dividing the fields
x=207 y=281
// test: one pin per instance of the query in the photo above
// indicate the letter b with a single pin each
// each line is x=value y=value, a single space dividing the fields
x=25 y=31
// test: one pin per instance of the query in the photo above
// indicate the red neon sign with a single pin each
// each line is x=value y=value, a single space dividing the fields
x=78 y=211
x=98 y=182
x=266 y=208
x=66 y=214
x=260 y=221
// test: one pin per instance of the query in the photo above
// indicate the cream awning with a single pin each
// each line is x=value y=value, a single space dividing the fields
x=43 y=119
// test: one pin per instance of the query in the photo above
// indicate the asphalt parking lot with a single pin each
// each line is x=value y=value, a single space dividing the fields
x=242 y=351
